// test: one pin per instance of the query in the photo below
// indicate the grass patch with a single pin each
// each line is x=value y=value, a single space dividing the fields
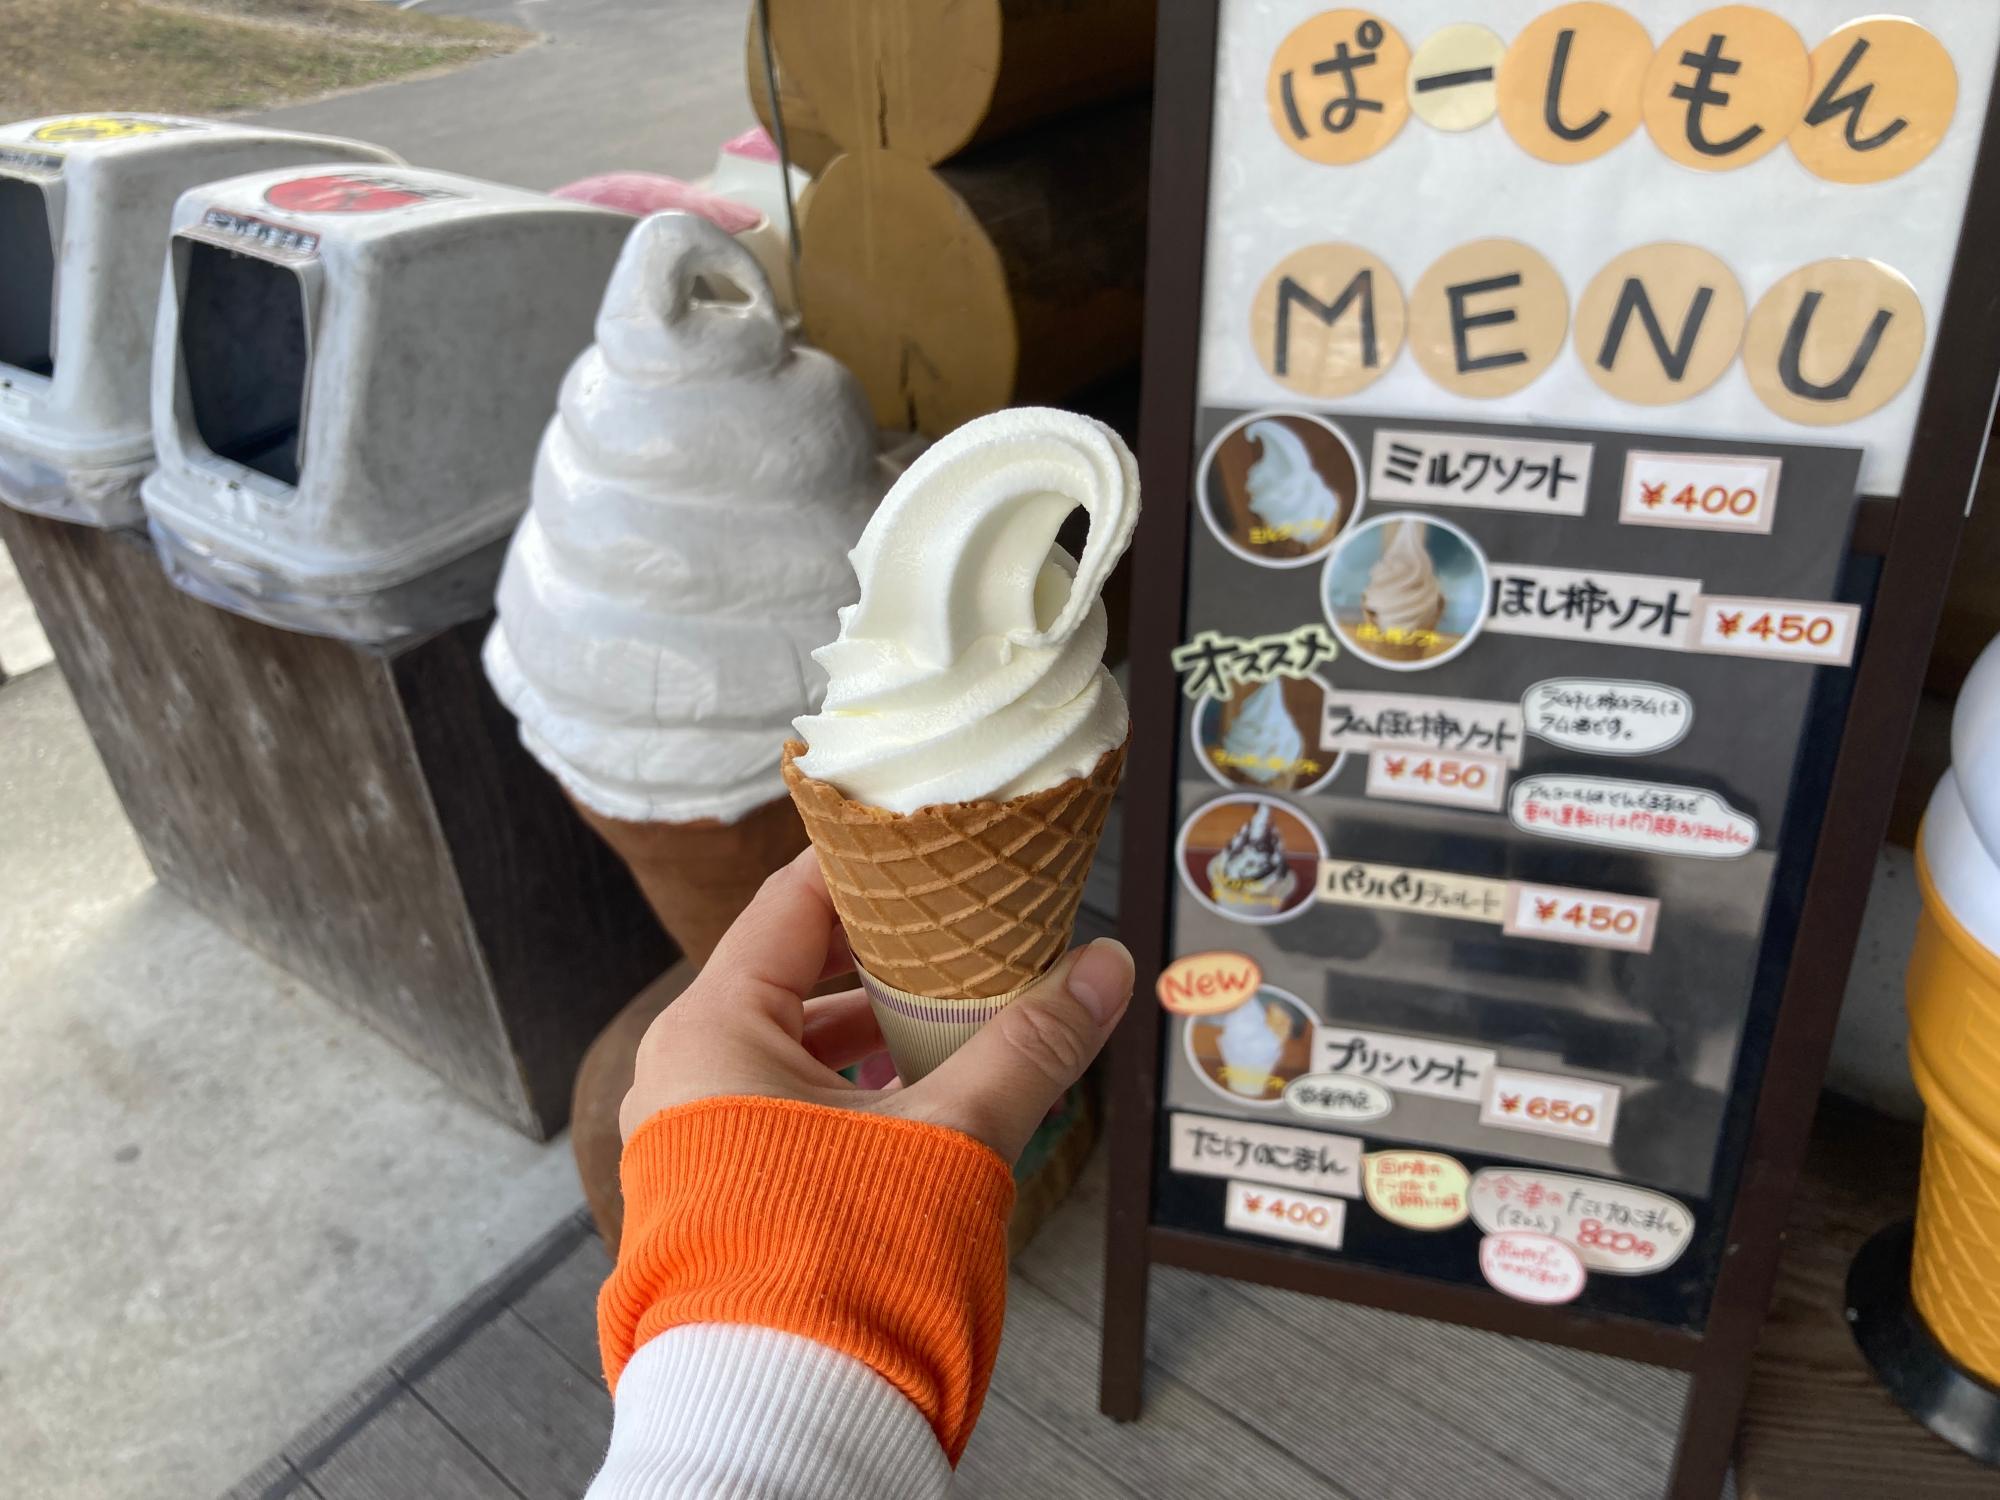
x=208 y=56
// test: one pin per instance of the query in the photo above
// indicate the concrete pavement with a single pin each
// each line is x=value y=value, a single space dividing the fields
x=226 y=1201
x=645 y=85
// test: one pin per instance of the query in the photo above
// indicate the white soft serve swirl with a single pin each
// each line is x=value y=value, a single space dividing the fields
x=685 y=550
x=972 y=668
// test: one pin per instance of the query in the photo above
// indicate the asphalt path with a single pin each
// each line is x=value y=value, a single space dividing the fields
x=646 y=85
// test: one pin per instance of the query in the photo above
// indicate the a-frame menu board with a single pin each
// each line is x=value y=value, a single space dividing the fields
x=1558 y=422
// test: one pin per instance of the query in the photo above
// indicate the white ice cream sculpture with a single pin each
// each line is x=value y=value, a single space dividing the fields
x=1962 y=823
x=685 y=551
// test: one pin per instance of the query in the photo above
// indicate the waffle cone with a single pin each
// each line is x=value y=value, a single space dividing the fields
x=1954 y=1006
x=699 y=876
x=962 y=901
x=1955 y=1267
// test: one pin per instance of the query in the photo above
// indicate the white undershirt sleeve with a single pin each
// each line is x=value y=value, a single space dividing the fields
x=717 y=1411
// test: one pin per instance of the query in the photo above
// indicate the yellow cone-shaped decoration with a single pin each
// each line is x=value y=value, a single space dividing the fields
x=1954 y=1000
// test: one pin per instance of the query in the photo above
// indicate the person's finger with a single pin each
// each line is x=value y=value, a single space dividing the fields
x=839 y=956
x=998 y=1087
x=841 y=1029
x=774 y=951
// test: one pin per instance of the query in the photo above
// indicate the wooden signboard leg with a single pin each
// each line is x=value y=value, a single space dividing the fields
x=1128 y=1263
x=1708 y=1421
x=1121 y=1390
x=1179 y=207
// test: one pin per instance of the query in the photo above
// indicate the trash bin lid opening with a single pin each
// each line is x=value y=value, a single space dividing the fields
x=27 y=279
x=245 y=353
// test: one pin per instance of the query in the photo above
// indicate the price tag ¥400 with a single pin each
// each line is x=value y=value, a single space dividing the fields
x=1306 y=1218
x=1701 y=492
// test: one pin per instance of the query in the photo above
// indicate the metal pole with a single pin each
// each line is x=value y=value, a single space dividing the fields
x=778 y=135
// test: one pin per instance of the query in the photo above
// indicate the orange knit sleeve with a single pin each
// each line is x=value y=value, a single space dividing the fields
x=883 y=1238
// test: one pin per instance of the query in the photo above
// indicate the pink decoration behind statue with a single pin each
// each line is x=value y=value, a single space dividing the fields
x=643 y=193
x=755 y=144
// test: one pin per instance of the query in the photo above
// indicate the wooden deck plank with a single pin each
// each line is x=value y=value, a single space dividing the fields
x=1818 y=1425
x=1354 y=1403
x=335 y=1426
x=275 y=1479
x=1489 y=1389
x=1293 y=1375
x=539 y=1421
x=1185 y=1444
x=1250 y=1390
x=1012 y=1456
x=562 y=1306
x=1652 y=1394
x=405 y=1451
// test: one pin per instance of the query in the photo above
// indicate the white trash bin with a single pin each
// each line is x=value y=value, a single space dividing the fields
x=351 y=373
x=84 y=206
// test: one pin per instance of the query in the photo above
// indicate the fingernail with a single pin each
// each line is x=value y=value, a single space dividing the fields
x=1101 y=979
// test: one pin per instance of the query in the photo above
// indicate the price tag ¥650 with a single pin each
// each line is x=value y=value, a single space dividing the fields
x=1576 y=1109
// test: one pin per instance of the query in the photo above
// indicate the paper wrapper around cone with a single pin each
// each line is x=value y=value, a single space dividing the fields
x=1954 y=1003
x=699 y=876
x=953 y=910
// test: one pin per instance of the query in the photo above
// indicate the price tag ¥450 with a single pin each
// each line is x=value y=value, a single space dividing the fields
x=1785 y=629
x=1477 y=781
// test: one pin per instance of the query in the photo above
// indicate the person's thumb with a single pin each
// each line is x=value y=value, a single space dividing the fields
x=999 y=1086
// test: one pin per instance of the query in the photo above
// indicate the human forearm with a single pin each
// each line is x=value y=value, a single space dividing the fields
x=844 y=1271
x=711 y=1409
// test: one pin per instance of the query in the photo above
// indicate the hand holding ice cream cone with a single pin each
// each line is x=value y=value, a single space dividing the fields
x=914 y=1182
x=956 y=781
x=747 y=1027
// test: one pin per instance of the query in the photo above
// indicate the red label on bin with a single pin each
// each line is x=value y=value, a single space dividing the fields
x=347 y=193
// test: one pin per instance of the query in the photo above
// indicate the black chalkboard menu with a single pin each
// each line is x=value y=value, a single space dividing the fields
x=1535 y=578
x=1505 y=882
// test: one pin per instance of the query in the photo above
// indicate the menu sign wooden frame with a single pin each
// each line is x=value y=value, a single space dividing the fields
x=1496 y=878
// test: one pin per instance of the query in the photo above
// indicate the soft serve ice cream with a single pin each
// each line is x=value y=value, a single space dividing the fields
x=1286 y=491
x=1262 y=741
x=972 y=668
x=685 y=551
x=956 y=783
x=1250 y=1046
x=1403 y=598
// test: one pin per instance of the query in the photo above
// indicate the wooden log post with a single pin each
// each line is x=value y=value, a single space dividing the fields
x=366 y=820
x=928 y=80
x=811 y=148
x=1013 y=274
